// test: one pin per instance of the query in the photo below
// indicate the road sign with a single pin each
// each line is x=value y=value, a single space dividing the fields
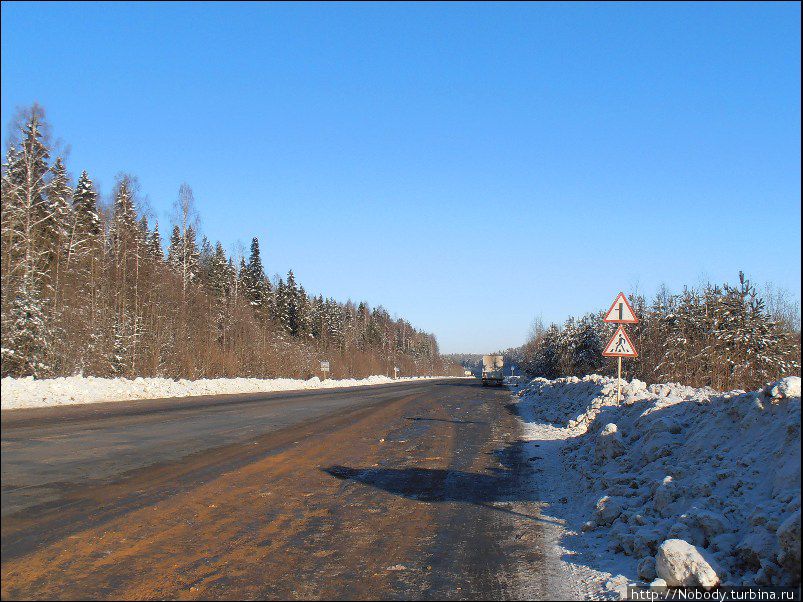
x=621 y=312
x=324 y=366
x=620 y=345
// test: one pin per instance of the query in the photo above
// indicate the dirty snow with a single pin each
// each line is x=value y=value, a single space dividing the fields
x=30 y=393
x=718 y=472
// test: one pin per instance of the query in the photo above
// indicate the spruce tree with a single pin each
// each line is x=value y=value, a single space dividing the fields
x=175 y=250
x=26 y=210
x=84 y=202
x=190 y=257
x=205 y=256
x=752 y=345
x=124 y=231
x=26 y=349
x=280 y=309
x=26 y=248
x=155 y=244
x=59 y=196
x=293 y=302
x=87 y=228
x=218 y=272
x=256 y=286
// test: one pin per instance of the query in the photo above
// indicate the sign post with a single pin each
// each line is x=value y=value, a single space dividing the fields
x=620 y=345
x=395 y=372
x=325 y=369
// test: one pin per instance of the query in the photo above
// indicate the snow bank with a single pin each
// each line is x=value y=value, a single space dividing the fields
x=29 y=393
x=717 y=472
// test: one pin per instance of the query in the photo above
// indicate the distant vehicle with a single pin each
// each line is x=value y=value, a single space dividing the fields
x=492 y=366
x=467 y=373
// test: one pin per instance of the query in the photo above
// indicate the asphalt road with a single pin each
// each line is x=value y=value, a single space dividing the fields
x=412 y=490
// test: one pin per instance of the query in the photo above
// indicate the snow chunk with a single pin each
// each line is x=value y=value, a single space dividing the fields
x=789 y=543
x=609 y=444
x=608 y=509
x=786 y=387
x=681 y=564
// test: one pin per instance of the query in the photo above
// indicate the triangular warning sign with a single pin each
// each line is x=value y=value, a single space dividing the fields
x=621 y=312
x=620 y=345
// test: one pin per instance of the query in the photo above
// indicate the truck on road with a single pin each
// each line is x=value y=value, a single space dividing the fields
x=492 y=366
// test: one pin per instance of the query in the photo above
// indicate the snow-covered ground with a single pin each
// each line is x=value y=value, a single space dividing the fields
x=691 y=486
x=29 y=393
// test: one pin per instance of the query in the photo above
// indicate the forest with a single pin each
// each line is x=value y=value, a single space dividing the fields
x=90 y=287
x=724 y=337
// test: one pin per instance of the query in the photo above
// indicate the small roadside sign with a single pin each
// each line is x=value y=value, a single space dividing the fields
x=621 y=312
x=324 y=366
x=620 y=345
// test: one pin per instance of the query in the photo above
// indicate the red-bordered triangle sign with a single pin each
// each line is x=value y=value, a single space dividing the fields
x=620 y=345
x=621 y=312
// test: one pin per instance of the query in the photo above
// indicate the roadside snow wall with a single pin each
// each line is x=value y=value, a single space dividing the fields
x=31 y=393
x=720 y=471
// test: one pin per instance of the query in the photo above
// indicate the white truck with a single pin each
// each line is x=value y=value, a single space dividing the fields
x=492 y=366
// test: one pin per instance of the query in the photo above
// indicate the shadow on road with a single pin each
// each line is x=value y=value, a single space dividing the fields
x=427 y=484
x=436 y=485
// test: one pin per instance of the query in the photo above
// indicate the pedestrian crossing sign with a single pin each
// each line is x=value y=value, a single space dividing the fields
x=620 y=345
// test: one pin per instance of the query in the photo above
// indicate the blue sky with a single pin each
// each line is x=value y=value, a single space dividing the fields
x=467 y=166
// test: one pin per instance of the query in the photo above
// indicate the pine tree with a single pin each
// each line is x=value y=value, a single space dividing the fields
x=218 y=272
x=316 y=317
x=280 y=307
x=84 y=201
x=547 y=359
x=751 y=344
x=205 y=256
x=144 y=228
x=59 y=196
x=121 y=346
x=86 y=229
x=83 y=266
x=305 y=318
x=293 y=309
x=26 y=210
x=587 y=346
x=256 y=286
x=57 y=240
x=175 y=250
x=190 y=257
x=26 y=350
x=155 y=244
x=124 y=231
x=26 y=216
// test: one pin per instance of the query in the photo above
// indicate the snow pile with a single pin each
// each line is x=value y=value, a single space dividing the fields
x=30 y=393
x=692 y=485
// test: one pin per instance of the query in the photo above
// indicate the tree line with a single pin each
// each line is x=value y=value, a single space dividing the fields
x=89 y=288
x=725 y=337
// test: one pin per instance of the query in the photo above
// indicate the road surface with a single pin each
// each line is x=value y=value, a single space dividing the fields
x=397 y=491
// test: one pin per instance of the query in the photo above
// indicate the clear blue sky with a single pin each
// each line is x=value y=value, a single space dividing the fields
x=467 y=166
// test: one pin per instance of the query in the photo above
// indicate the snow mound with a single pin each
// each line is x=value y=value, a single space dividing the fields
x=31 y=393
x=719 y=472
